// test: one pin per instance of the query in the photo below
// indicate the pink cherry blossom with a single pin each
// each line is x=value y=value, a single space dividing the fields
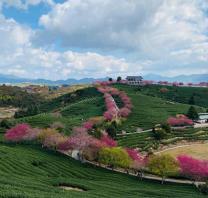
x=193 y=168
x=108 y=141
x=17 y=133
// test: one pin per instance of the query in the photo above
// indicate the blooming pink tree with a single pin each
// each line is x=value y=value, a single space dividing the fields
x=134 y=154
x=182 y=120
x=17 y=133
x=88 y=125
x=193 y=168
x=124 y=112
x=32 y=134
x=78 y=142
x=138 y=161
x=108 y=141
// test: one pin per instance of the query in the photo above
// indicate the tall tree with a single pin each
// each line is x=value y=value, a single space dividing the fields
x=119 y=78
x=163 y=165
x=110 y=79
x=192 y=113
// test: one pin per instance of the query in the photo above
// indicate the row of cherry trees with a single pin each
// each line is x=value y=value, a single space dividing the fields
x=105 y=150
x=113 y=112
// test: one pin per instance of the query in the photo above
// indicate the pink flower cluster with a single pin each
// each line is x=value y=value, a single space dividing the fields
x=133 y=154
x=181 y=120
x=108 y=141
x=138 y=161
x=88 y=125
x=193 y=168
x=126 y=109
x=112 y=109
x=21 y=132
x=82 y=141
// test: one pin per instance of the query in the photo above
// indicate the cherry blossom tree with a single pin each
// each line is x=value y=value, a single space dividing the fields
x=88 y=125
x=78 y=142
x=193 y=168
x=17 y=133
x=182 y=120
x=108 y=141
x=124 y=112
x=138 y=161
x=134 y=154
x=32 y=134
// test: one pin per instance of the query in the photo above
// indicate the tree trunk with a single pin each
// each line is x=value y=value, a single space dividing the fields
x=163 y=180
x=141 y=175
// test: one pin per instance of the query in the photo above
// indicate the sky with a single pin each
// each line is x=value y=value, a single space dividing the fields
x=60 y=39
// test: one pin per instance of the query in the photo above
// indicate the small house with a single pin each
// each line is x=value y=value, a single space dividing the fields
x=134 y=80
x=203 y=118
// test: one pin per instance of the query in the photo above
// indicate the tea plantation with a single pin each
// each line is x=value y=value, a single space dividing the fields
x=149 y=110
x=28 y=171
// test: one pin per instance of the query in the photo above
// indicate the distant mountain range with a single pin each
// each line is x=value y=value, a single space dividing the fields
x=9 y=79
x=195 y=78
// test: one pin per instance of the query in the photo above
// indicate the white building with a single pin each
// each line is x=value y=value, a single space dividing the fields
x=134 y=80
x=203 y=118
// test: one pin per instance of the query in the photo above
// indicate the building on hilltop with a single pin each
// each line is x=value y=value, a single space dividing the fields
x=134 y=80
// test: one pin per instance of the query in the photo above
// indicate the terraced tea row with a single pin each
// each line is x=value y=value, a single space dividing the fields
x=29 y=171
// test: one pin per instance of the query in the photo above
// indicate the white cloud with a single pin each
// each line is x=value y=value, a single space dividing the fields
x=145 y=29
x=130 y=25
x=24 y=4
x=163 y=36
x=56 y=65
x=19 y=57
x=13 y=35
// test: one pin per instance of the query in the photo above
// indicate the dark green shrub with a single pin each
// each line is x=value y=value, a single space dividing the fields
x=203 y=188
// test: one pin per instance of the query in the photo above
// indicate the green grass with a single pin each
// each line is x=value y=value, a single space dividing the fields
x=31 y=172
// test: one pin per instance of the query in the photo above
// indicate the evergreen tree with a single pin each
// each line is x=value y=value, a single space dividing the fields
x=119 y=79
x=192 y=113
x=192 y=100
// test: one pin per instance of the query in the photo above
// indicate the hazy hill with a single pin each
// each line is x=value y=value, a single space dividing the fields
x=195 y=78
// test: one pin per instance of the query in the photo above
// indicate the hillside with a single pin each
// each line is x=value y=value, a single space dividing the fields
x=73 y=108
x=40 y=172
x=27 y=171
x=15 y=96
x=69 y=109
x=149 y=110
x=178 y=94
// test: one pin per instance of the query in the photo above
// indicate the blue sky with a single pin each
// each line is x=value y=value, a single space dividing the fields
x=57 y=39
